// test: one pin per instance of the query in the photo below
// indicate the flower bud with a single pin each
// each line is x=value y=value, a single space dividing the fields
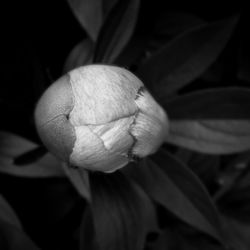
x=100 y=117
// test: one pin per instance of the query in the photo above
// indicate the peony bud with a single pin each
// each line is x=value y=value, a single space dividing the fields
x=100 y=117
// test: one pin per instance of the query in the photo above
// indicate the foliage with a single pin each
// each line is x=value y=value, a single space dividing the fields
x=194 y=192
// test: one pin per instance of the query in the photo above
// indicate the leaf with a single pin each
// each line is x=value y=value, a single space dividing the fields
x=244 y=51
x=30 y=156
x=171 y=184
x=116 y=31
x=242 y=163
x=170 y=24
x=133 y=53
x=89 y=14
x=12 y=146
x=222 y=103
x=107 y=6
x=236 y=203
x=7 y=214
x=234 y=176
x=12 y=238
x=186 y=57
x=80 y=180
x=237 y=233
x=179 y=238
x=80 y=55
x=87 y=231
x=49 y=208
x=205 y=166
x=122 y=212
x=211 y=136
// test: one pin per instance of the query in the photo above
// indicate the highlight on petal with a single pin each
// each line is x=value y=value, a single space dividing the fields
x=102 y=94
x=90 y=152
x=151 y=125
x=115 y=135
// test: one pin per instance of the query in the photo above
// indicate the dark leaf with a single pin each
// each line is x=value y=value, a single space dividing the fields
x=116 y=31
x=242 y=162
x=170 y=24
x=186 y=57
x=30 y=156
x=12 y=238
x=237 y=233
x=79 y=178
x=80 y=55
x=107 y=6
x=133 y=53
x=49 y=208
x=164 y=240
x=89 y=14
x=12 y=146
x=244 y=50
x=170 y=183
x=224 y=103
x=234 y=175
x=122 y=212
x=204 y=165
x=7 y=214
x=87 y=231
x=210 y=135
x=236 y=203
x=183 y=239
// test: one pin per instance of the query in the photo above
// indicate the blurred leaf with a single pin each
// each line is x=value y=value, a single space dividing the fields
x=237 y=233
x=133 y=53
x=49 y=208
x=244 y=50
x=236 y=203
x=204 y=165
x=12 y=238
x=183 y=239
x=234 y=176
x=30 y=156
x=186 y=57
x=164 y=241
x=107 y=6
x=79 y=178
x=211 y=136
x=170 y=183
x=224 y=103
x=116 y=31
x=214 y=74
x=170 y=24
x=87 y=231
x=242 y=162
x=12 y=146
x=80 y=55
x=89 y=14
x=122 y=212
x=7 y=214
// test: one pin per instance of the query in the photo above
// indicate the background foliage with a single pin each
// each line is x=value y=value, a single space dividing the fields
x=194 y=192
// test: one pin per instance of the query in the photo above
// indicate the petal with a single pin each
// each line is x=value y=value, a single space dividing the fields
x=89 y=152
x=151 y=125
x=147 y=105
x=102 y=94
x=115 y=135
x=149 y=135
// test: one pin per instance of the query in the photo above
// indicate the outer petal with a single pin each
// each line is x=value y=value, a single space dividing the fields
x=115 y=135
x=151 y=125
x=102 y=94
x=51 y=118
x=90 y=152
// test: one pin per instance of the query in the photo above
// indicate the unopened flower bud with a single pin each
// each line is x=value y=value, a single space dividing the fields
x=100 y=117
